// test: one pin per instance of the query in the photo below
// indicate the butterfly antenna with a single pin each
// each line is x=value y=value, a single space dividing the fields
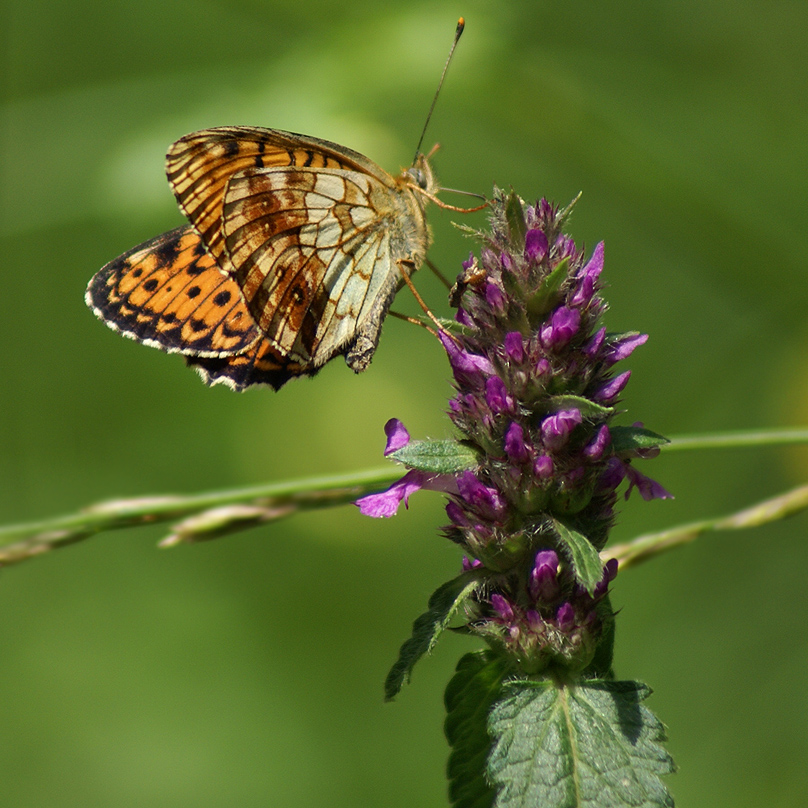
x=461 y=24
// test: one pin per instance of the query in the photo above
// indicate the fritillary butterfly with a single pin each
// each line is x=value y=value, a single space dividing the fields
x=295 y=249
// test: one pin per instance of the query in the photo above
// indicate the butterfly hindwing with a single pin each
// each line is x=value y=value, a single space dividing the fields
x=169 y=293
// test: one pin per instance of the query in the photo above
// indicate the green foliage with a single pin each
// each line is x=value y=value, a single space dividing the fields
x=516 y=222
x=587 y=407
x=547 y=294
x=438 y=456
x=631 y=438
x=586 y=562
x=469 y=697
x=443 y=605
x=589 y=745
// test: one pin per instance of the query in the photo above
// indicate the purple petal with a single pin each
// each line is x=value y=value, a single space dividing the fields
x=397 y=436
x=487 y=502
x=535 y=245
x=462 y=317
x=471 y=564
x=648 y=488
x=494 y=297
x=557 y=428
x=543 y=467
x=587 y=278
x=613 y=475
x=542 y=368
x=543 y=584
x=464 y=363
x=623 y=348
x=594 y=345
x=496 y=395
x=596 y=449
x=612 y=388
x=385 y=503
x=563 y=326
x=457 y=515
x=514 y=347
x=565 y=617
x=501 y=606
x=515 y=446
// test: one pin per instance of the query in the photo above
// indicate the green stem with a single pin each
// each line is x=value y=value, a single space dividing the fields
x=739 y=439
x=212 y=514
x=651 y=545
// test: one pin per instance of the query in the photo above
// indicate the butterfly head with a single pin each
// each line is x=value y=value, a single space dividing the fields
x=421 y=176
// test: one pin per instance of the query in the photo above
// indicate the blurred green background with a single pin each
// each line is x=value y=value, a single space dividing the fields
x=248 y=671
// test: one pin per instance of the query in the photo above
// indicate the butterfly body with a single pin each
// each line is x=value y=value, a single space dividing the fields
x=295 y=249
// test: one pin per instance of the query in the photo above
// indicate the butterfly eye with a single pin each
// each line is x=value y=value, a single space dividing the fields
x=419 y=175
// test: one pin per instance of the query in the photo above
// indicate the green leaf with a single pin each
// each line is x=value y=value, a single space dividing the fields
x=546 y=296
x=589 y=409
x=443 y=605
x=469 y=697
x=586 y=563
x=515 y=216
x=437 y=456
x=632 y=438
x=590 y=745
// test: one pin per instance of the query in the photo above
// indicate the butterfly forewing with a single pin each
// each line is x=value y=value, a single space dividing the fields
x=200 y=165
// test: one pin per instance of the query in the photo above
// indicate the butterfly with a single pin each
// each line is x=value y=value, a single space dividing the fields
x=293 y=253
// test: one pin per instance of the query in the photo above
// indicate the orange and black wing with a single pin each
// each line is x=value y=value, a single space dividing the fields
x=169 y=293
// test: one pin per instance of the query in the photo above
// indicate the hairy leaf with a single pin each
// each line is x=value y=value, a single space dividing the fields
x=589 y=745
x=631 y=438
x=469 y=697
x=586 y=562
x=443 y=605
x=438 y=456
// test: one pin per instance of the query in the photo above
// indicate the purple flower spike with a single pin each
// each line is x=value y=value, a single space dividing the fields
x=597 y=448
x=397 y=436
x=535 y=245
x=533 y=406
x=515 y=446
x=543 y=583
x=623 y=348
x=609 y=392
x=563 y=326
x=555 y=429
x=497 y=396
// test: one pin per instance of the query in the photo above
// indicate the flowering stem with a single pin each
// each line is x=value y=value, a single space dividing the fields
x=650 y=545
